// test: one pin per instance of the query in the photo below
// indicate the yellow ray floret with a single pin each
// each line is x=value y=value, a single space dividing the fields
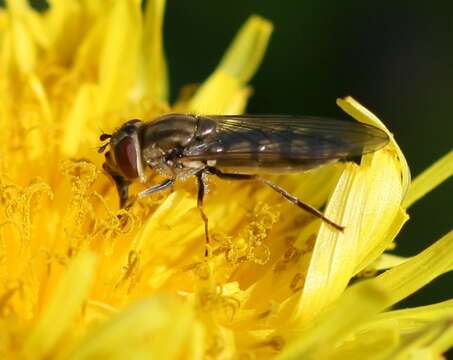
x=224 y=91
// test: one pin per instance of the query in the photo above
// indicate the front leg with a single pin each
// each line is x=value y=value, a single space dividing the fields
x=153 y=189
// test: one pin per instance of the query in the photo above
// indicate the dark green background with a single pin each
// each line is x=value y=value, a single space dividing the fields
x=396 y=57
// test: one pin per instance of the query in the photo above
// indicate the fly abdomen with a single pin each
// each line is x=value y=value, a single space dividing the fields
x=282 y=143
x=259 y=152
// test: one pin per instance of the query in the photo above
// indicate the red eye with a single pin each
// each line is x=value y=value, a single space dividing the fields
x=126 y=157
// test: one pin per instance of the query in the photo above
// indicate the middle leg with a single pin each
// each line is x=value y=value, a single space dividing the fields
x=201 y=191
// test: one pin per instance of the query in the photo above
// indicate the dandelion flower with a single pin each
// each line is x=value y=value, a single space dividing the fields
x=81 y=279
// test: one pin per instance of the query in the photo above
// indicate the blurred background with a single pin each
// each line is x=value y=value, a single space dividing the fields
x=396 y=58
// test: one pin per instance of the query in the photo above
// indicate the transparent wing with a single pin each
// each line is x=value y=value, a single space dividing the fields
x=270 y=140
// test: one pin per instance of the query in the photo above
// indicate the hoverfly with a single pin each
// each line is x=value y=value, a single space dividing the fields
x=234 y=147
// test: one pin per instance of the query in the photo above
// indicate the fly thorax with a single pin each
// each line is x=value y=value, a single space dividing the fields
x=169 y=132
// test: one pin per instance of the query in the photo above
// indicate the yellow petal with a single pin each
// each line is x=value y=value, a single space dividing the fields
x=382 y=243
x=33 y=21
x=427 y=343
x=76 y=120
x=444 y=338
x=94 y=7
x=119 y=55
x=418 y=271
x=64 y=305
x=387 y=184
x=155 y=66
x=318 y=339
x=438 y=172
x=368 y=345
x=383 y=215
x=197 y=342
x=333 y=260
x=387 y=261
x=35 y=141
x=401 y=334
x=412 y=319
x=40 y=93
x=66 y=23
x=23 y=47
x=222 y=89
x=411 y=330
x=367 y=202
x=360 y=113
x=245 y=54
x=87 y=55
x=155 y=328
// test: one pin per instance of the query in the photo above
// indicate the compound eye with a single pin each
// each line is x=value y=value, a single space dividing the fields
x=126 y=157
